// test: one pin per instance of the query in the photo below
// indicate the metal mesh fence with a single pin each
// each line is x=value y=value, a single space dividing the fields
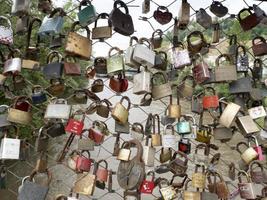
x=63 y=177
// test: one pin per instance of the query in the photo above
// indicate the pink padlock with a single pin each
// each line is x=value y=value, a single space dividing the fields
x=257 y=147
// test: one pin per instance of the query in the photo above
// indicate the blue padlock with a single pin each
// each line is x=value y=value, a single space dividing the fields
x=38 y=95
x=88 y=14
x=183 y=126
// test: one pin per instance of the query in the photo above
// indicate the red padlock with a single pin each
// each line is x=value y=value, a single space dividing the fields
x=184 y=145
x=147 y=187
x=96 y=132
x=83 y=163
x=102 y=173
x=257 y=148
x=210 y=101
x=75 y=126
x=23 y=103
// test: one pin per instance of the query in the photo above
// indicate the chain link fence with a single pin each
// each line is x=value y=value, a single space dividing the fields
x=63 y=177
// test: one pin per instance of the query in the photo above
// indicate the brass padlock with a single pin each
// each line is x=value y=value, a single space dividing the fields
x=125 y=152
x=119 y=112
x=191 y=195
x=199 y=178
x=166 y=190
x=229 y=114
x=102 y=32
x=155 y=136
x=249 y=154
x=174 y=110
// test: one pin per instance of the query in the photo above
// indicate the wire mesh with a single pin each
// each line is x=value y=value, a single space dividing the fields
x=64 y=177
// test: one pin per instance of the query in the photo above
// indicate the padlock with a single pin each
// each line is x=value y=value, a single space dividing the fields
x=141 y=82
x=218 y=9
x=196 y=105
x=122 y=128
x=75 y=40
x=119 y=84
x=83 y=163
x=257 y=176
x=71 y=66
x=57 y=87
x=6 y=36
x=20 y=111
x=169 y=140
x=249 y=154
x=229 y=113
x=41 y=142
x=103 y=108
x=52 y=23
x=75 y=126
x=72 y=158
x=246 y=188
x=257 y=147
x=146 y=100
x=161 y=60
x=125 y=152
x=102 y=32
x=257 y=112
x=186 y=89
x=218 y=187
x=97 y=86
x=121 y=22
x=178 y=165
x=147 y=187
x=85 y=143
x=246 y=125
x=145 y=6
x=115 y=62
x=116 y=148
x=20 y=8
x=184 y=145
x=137 y=131
x=13 y=64
x=19 y=82
x=183 y=126
x=259 y=48
x=57 y=41
x=198 y=46
x=174 y=110
x=179 y=184
x=149 y=153
x=85 y=184
x=165 y=154
x=10 y=147
x=204 y=132
x=165 y=119
x=249 y=22
x=155 y=136
x=227 y=72
x=210 y=101
x=203 y=18
x=98 y=131
x=144 y=55
x=160 y=90
x=257 y=70
x=38 y=95
x=184 y=15
x=167 y=191
x=57 y=109
x=180 y=56
x=199 y=178
x=119 y=112
x=45 y=6
x=80 y=96
x=87 y=13
x=201 y=159
x=162 y=15
x=129 y=61
x=191 y=195
x=55 y=129
x=100 y=66
x=102 y=173
x=3 y=116
x=54 y=67
x=156 y=39
x=201 y=71
x=32 y=190
x=242 y=61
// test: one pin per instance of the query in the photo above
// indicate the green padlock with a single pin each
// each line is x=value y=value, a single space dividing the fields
x=183 y=126
x=88 y=14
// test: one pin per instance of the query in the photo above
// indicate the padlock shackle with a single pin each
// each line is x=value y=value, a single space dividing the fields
x=217 y=61
x=77 y=23
x=239 y=145
x=137 y=125
x=139 y=147
x=181 y=154
x=258 y=165
x=179 y=175
x=103 y=16
x=52 y=55
x=119 y=51
x=195 y=34
x=105 y=162
x=243 y=49
x=233 y=39
x=121 y=4
x=169 y=126
x=25 y=99
x=49 y=176
x=128 y=100
x=150 y=173
x=37 y=87
x=158 y=32
x=133 y=38
x=79 y=112
x=241 y=11
x=202 y=146
x=260 y=38
x=156 y=117
x=57 y=10
x=144 y=40
x=243 y=173
x=34 y=20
